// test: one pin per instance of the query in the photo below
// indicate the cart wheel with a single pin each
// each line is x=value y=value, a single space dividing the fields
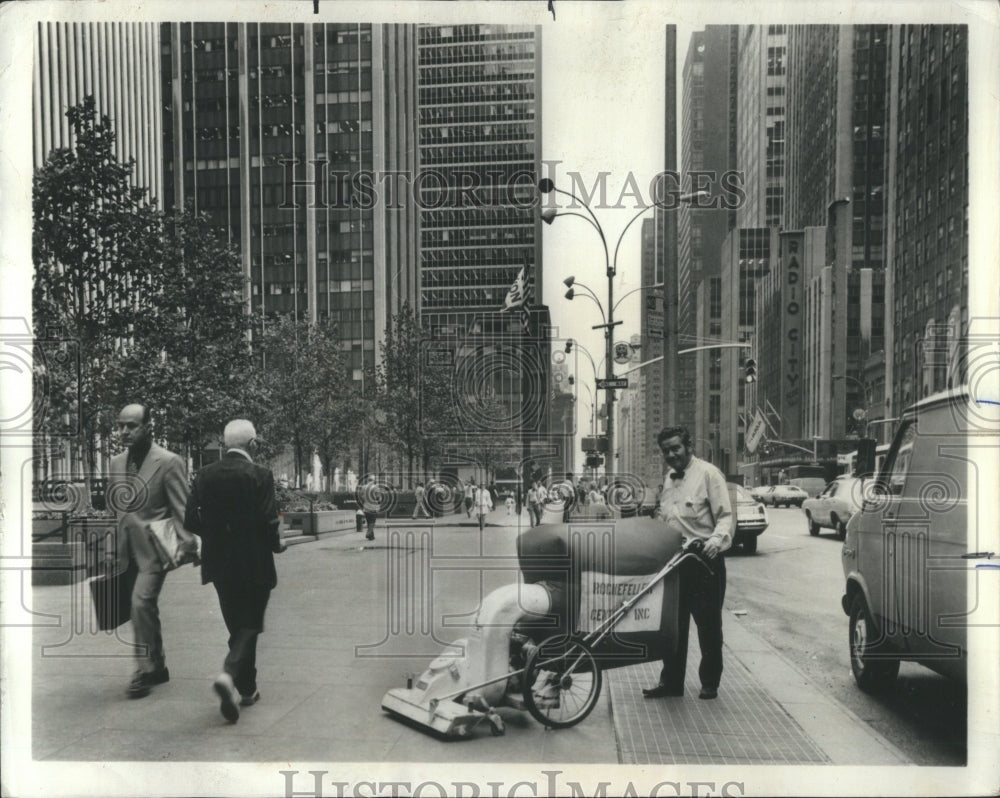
x=562 y=682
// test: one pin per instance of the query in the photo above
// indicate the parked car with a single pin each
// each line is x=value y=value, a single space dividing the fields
x=907 y=554
x=784 y=496
x=751 y=517
x=759 y=491
x=834 y=507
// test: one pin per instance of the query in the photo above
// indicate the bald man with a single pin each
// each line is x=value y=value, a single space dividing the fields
x=146 y=483
x=232 y=506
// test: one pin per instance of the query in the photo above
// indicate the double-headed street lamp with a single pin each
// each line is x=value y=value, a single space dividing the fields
x=546 y=186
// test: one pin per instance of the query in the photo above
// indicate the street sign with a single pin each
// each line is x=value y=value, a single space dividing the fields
x=756 y=432
x=609 y=385
x=597 y=444
x=623 y=352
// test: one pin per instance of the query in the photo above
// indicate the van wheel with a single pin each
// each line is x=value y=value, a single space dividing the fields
x=841 y=529
x=813 y=526
x=872 y=669
x=750 y=544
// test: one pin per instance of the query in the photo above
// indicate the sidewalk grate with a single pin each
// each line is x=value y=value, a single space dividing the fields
x=744 y=725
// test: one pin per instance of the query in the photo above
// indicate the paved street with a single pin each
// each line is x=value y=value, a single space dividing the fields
x=790 y=593
x=338 y=638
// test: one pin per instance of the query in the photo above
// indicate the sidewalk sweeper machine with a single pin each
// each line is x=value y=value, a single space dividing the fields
x=589 y=597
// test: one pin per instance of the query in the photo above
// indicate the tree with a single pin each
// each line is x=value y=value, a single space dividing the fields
x=93 y=233
x=190 y=350
x=415 y=403
x=306 y=384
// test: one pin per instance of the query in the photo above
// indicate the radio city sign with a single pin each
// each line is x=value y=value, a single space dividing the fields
x=792 y=299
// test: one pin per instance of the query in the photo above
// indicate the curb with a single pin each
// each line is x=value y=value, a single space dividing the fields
x=838 y=731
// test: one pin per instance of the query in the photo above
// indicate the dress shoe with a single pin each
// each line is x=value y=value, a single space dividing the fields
x=250 y=700
x=708 y=692
x=229 y=697
x=662 y=691
x=144 y=681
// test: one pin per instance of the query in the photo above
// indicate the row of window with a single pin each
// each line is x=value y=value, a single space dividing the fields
x=468 y=54
x=475 y=73
x=495 y=112
x=497 y=256
x=268 y=42
x=481 y=92
x=453 y=34
x=505 y=131
x=343 y=67
x=431 y=278
x=478 y=237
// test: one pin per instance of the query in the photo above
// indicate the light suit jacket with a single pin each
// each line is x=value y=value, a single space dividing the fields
x=158 y=491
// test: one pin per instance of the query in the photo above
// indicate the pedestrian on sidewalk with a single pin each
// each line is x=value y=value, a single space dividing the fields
x=483 y=505
x=232 y=506
x=420 y=505
x=694 y=501
x=146 y=483
x=470 y=494
x=509 y=503
x=367 y=499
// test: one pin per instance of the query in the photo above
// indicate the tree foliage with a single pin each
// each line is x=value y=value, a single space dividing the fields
x=190 y=350
x=93 y=234
x=306 y=383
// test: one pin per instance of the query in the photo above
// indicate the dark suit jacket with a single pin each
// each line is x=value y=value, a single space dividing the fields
x=158 y=491
x=232 y=507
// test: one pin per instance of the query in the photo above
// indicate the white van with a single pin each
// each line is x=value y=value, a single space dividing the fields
x=907 y=554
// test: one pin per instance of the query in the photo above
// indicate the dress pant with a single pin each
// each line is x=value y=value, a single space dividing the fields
x=242 y=606
x=701 y=594
x=146 y=621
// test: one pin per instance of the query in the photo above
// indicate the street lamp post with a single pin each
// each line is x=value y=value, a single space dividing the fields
x=546 y=186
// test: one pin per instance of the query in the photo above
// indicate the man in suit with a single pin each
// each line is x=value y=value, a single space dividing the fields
x=232 y=506
x=146 y=483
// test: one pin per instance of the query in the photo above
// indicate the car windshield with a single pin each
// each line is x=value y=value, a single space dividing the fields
x=743 y=495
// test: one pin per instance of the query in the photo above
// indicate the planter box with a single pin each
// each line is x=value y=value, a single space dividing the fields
x=57 y=563
x=318 y=522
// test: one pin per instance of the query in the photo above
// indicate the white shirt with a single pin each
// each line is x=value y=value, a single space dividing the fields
x=697 y=505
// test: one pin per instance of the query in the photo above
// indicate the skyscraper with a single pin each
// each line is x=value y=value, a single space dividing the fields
x=708 y=126
x=118 y=64
x=479 y=93
x=837 y=173
x=273 y=129
x=929 y=211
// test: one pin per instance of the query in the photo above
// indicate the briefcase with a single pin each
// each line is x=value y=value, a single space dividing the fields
x=111 y=593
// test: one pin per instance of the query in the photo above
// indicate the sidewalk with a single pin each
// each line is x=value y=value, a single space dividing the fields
x=338 y=636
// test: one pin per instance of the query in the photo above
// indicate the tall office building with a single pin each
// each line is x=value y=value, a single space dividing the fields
x=837 y=173
x=762 y=81
x=272 y=128
x=929 y=245
x=118 y=64
x=479 y=138
x=708 y=127
x=480 y=152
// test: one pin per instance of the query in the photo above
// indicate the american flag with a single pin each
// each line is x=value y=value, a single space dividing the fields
x=519 y=294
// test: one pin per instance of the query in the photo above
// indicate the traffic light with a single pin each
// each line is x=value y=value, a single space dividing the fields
x=750 y=370
x=572 y=380
x=594 y=461
x=569 y=346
